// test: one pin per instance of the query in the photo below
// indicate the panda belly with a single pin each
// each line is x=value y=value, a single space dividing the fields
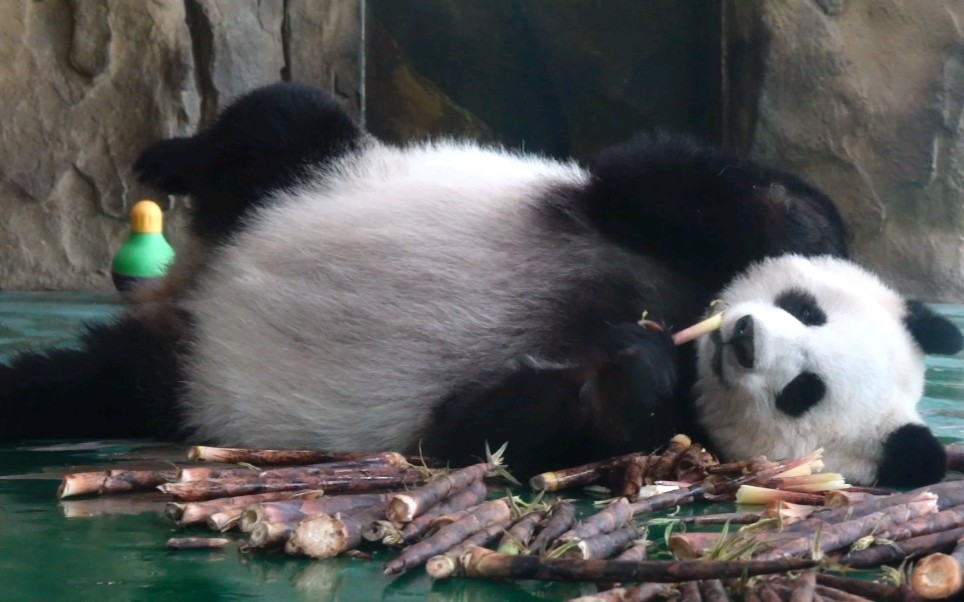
x=345 y=313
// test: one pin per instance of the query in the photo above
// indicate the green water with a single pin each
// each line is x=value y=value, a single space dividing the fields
x=117 y=552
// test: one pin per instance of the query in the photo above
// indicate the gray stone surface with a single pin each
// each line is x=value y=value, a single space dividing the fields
x=86 y=84
x=864 y=98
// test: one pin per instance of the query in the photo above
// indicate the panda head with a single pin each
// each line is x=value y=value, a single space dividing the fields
x=819 y=353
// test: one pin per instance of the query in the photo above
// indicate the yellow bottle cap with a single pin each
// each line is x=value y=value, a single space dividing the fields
x=146 y=217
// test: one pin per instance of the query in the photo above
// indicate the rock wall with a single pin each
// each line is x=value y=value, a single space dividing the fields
x=865 y=98
x=86 y=84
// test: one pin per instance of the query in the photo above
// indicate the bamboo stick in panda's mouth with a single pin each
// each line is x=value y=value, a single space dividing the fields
x=706 y=326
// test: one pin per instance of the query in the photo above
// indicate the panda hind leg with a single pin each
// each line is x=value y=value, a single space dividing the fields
x=618 y=399
x=121 y=381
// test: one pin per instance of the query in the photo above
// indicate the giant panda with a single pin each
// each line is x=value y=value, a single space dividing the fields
x=435 y=297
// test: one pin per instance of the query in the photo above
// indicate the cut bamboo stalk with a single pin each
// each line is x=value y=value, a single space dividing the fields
x=690 y=592
x=693 y=464
x=714 y=322
x=517 y=537
x=633 y=477
x=112 y=481
x=297 y=509
x=562 y=516
x=488 y=513
x=873 y=556
x=635 y=552
x=442 y=566
x=483 y=563
x=612 y=517
x=406 y=506
x=578 y=476
x=751 y=494
x=266 y=535
x=836 y=595
x=226 y=519
x=233 y=455
x=955 y=457
x=664 y=465
x=713 y=591
x=844 y=497
x=939 y=576
x=722 y=518
x=326 y=536
x=804 y=587
x=844 y=534
x=206 y=490
x=604 y=545
x=742 y=467
x=197 y=543
x=471 y=495
x=645 y=592
x=941 y=521
x=190 y=513
x=861 y=587
x=823 y=517
x=689 y=546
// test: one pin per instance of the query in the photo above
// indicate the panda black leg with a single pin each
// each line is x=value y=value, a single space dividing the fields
x=120 y=382
x=618 y=400
x=259 y=144
x=705 y=212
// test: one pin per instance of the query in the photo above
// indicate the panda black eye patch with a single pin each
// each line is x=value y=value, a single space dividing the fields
x=801 y=394
x=802 y=306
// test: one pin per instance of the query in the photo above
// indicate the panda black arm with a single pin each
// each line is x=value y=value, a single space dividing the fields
x=618 y=400
x=705 y=212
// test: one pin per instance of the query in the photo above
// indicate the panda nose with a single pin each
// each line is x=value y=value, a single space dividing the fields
x=742 y=341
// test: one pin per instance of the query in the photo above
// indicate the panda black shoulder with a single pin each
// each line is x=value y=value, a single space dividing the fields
x=704 y=211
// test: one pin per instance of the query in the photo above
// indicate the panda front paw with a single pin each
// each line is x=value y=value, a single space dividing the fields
x=635 y=379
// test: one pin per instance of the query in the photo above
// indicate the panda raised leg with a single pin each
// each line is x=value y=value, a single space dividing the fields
x=706 y=213
x=124 y=376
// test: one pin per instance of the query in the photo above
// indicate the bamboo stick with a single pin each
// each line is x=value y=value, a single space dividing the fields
x=495 y=511
x=844 y=534
x=712 y=590
x=233 y=455
x=690 y=592
x=861 y=587
x=804 y=587
x=614 y=516
x=561 y=518
x=645 y=592
x=460 y=499
x=604 y=545
x=271 y=535
x=634 y=475
x=406 y=506
x=915 y=546
x=209 y=489
x=480 y=562
x=190 y=513
x=197 y=543
x=664 y=465
x=517 y=537
x=578 y=476
x=112 y=481
x=938 y=576
x=326 y=536
x=297 y=509
x=445 y=565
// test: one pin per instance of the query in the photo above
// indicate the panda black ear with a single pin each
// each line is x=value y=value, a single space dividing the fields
x=934 y=333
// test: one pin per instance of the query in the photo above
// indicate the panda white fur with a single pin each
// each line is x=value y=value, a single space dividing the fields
x=359 y=295
x=816 y=353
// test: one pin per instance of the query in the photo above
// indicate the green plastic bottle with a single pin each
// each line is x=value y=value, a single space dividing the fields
x=146 y=254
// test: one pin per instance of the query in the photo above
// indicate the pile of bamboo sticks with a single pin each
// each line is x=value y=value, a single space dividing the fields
x=326 y=504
